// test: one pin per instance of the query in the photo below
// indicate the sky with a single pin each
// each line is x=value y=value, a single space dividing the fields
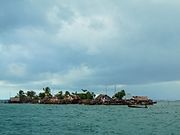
x=90 y=44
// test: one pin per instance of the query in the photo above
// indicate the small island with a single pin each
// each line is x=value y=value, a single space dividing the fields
x=85 y=97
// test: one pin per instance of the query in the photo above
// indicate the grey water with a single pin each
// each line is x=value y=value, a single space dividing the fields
x=35 y=119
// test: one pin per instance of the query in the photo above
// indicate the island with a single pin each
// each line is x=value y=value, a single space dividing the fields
x=85 y=97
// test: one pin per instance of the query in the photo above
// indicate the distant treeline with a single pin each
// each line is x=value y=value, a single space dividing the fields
x=84 y=94
x=83 y=97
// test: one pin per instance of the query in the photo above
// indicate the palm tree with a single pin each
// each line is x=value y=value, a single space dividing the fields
x=41 y=95
x=120 y=94
x=59 y=95
x=67 y=93
x=21 y=95
x=84 y=90
x=31 y=94
x=47 y=92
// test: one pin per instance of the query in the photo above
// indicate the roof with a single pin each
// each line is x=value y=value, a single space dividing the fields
x=101 y=96
x=140 y=98
x=14 y=99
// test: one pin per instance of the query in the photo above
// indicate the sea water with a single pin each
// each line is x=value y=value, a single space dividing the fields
x=35 y=119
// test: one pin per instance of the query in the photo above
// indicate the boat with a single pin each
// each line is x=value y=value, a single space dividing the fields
x=138 y=106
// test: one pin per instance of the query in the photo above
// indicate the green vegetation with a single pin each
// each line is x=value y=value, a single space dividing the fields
x=31 y=94
x=42 y=95
x=46 y=94
x=83 y=97
x=59 y=95
x=21 y=95
x=67 y=93
x=86 y=94
x=120 y=94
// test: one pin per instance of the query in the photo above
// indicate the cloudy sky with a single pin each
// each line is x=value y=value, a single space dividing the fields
x=91 y=44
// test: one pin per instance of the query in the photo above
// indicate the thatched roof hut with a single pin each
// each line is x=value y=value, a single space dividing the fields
x=71 y=97
x=140 y=98
x=14 y=100
x=103 y=98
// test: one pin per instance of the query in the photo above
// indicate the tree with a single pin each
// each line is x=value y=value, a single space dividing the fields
x=90 y=95
x=47 y=92
x=21 y=95
x=87 y=95
x=120 y=94
x=82 y=95
x=31 y=94
x=67 y=93
x=59 y=95
x=41 y=95
x=74 y=93
x=84 y=90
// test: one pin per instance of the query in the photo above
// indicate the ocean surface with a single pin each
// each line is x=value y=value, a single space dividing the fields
x=28 y=119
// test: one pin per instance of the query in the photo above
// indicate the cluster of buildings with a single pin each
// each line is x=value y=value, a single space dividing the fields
x=101 y=99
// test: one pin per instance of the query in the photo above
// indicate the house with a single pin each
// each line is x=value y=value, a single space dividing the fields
x=140 y=98
x=71 y=99
x=103 y=98
x=54 y=100
x=14 y=100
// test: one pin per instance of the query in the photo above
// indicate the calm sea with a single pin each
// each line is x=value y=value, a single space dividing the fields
x=27 y=119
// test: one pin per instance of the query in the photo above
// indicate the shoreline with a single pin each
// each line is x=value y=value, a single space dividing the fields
x=85 y=97
x=88 y=102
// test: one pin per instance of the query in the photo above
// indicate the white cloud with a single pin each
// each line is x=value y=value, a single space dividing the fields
x=89 y=32
x=71 y=77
